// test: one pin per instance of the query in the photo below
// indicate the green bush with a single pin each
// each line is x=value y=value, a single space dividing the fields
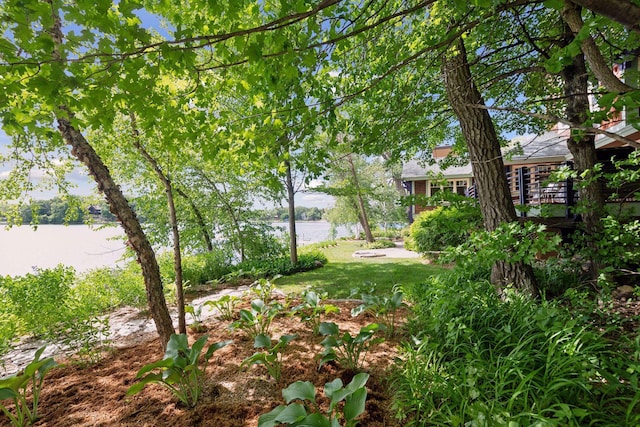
x=443 y=227
x=104 y=289
x=199 y=268
x=381 y=244
x=480 y=360
x=39 y=300
x=272 y=267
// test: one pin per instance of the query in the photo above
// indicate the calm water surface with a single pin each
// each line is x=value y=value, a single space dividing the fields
x=82 y=247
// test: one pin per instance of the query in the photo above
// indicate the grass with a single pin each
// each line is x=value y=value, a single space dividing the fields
x=343 y=272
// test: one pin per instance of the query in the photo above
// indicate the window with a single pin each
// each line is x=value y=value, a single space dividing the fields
x=461 y=187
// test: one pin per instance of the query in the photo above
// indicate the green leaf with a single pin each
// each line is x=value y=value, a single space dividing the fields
x=292 y=414
x=554 y=4
x=354 y=404
x=262 y=341
x=315 y=420
x=328 y=328
x=331 y=387
x=269 y=419
x=7 y=393
x=303 y=390
x=137 y=387
x=215 y=347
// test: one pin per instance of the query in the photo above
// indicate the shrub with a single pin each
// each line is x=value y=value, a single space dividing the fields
x=380 y=244
x=199 y=268
x=104 y=289
x=442 y=227
x=268 y=268
x=40 y=299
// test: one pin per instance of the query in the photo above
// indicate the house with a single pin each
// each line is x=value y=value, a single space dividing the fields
x=529 y=161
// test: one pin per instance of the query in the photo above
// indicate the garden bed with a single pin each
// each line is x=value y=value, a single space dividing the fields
x=234 y=396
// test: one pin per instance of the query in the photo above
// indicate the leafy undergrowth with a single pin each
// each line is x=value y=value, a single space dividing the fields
x=233 y=395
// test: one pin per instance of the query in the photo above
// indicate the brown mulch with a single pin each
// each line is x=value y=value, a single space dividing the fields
x=234 y=396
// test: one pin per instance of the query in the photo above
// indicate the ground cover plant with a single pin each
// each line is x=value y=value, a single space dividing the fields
x=26 y=384
x=524 y=362
x=179 y=370
x=309 y=413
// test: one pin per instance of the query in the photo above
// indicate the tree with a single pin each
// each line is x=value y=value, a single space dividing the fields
x=486 y=160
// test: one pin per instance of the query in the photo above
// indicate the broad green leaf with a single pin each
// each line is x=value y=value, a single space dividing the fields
x=7 y=393
x=328 y=328
x=303 y=390
x=354 y=404
x=331 y=387
x=269 y=419
x=292 y=413
x=262 y=341
x=215 y=347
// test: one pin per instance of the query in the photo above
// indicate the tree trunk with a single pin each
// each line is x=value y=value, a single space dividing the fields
x=571 y=14
x=622 y=11
x=293 y=243
x=582 y=147
x=362 y=212
x=119 y=206
x=173 y=220
x=199 y=218
x=486 y=161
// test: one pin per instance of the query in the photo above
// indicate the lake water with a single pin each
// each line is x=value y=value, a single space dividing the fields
x=82 y=247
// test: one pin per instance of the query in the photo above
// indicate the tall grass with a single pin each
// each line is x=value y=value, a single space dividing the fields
x=479 y=360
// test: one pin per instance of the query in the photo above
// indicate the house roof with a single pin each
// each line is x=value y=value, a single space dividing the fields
x=413 y=169
x=550 y=146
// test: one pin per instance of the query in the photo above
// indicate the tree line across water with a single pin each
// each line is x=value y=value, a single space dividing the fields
x=85 y=209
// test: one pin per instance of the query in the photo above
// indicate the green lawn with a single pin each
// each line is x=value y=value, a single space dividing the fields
x=343 y=272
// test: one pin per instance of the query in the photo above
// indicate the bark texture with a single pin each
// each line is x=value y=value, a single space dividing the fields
x=118 y=204
x=486 y=161
x=582 y=147
x=120 y=207
x=622 y=11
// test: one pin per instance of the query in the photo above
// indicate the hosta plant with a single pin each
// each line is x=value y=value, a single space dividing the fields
x=196 y=314
x=311 y=310
x=15 y=388
x=257 y=320
x=179 y=370
x=271 y=355
x=262 y=289
x=226 y=305
x=346 y=350
x=382 y=307
x=305 y=411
